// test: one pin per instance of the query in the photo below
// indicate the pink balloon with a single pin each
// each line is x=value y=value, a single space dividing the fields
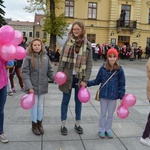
x=128 y=100
x=20 y=53
x=27 y=101
x=60 y=78
x=122 y=112
x=7 y=34
x=83 y=95
x=8 y=52
x=18 y=37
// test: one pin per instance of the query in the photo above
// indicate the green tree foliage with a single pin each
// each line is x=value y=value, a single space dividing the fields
x=2 y=13
x=53 y=25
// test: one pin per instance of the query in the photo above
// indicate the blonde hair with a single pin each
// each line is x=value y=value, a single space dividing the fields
x=31 y=52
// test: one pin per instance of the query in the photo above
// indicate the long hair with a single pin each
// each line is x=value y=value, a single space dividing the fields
x=31 y=52
x=81 y=25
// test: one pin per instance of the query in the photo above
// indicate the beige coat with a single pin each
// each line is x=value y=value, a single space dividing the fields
x=148 y=82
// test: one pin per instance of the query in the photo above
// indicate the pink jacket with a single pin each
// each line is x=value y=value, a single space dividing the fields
x=3 y=73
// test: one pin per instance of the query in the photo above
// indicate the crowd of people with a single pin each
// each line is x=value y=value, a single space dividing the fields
x=75 y=61
x=124 y=51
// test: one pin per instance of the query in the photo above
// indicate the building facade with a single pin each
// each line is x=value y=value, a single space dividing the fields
x=111 y=21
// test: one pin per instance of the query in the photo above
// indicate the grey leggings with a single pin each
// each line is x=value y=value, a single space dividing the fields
x=107 y=109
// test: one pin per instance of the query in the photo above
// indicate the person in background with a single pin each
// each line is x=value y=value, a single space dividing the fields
x=3 y=96
x=76 y=63
x=57 y=55
x=113 y=89
x=36 y=70
x=17 y=70
x=96 y=51
x=146 y=134
x=9 y=65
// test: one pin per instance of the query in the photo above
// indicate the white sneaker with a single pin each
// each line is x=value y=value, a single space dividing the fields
x=145 y=141
x=3 y=138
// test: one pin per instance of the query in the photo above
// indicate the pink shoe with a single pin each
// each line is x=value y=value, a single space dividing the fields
x=22 y=89
x=13 y=90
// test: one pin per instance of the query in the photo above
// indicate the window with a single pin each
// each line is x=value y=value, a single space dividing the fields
x=30 y=34
x=91 y=38
x=125 y=15
x=37 y=34
x=149 y=16
x=92 y=10
x=44 y=35
x=148 y=42
x=24 y=33
x=123 y=40
x=69 y=8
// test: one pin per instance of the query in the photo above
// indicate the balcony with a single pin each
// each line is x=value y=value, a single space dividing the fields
x=127 y=24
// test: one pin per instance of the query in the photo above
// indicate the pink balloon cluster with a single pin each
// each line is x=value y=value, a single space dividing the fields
x=128 y=100
x=60 y=78
x=27 y=101
x=83 y=95
x=9 y=41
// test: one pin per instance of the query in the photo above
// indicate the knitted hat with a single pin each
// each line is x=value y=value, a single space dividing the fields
x=114 y=51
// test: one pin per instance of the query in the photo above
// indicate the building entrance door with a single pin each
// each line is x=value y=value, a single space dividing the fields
x=123 y=40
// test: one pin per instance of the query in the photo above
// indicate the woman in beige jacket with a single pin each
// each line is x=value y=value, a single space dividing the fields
x=146 y=134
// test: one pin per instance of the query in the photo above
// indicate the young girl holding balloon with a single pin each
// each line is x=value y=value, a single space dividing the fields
x=76 y=63
x=36 y=70
x=114 y=89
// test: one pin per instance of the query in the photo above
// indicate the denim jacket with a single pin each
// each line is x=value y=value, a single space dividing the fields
x=115 y=88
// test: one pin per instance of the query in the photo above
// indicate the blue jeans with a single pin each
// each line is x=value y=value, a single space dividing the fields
x=37 y=109
x=3 y=95
x=66 y=99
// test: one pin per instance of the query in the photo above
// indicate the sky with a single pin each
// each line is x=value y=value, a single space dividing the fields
x=14 y=10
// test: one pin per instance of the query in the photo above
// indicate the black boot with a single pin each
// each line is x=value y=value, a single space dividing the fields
x=35 y=128
x=40 y=127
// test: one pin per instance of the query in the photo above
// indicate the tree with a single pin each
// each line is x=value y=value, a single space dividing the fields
x=2 y=13
x=53 y=25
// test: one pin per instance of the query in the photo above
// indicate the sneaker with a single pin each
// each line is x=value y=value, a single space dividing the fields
x=22 y=88
x=78 y=129
x=102 y=134
x=109 y=135
x=3 y=138
x=10 y=93
x=145 y=141
x=13 y=90
x=64 y=130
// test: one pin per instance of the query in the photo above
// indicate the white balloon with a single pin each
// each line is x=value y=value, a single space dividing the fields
x=61 y=41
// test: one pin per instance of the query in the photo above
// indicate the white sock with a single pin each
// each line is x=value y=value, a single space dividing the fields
x=78 y=123
x=63 y=123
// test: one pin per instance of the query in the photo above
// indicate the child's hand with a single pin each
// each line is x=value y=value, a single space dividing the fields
x=121 y=102
x=83 y=84
x=31 y=91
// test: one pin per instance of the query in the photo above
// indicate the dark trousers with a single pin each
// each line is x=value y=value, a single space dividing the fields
x=146 y=132
x=18 y=73
x=3 y=95
x=66 y=99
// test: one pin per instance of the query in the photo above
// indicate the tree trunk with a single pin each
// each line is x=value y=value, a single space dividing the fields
x=52 y=15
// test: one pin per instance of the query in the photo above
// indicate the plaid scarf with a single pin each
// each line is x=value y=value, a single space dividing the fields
x=72 y=48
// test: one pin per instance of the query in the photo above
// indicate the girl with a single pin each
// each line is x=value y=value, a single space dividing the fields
x=76 y=63
x=36 y=69
x=114 y=89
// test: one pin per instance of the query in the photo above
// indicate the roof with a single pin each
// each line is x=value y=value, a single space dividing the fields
x=38 y=18
x=21 y=23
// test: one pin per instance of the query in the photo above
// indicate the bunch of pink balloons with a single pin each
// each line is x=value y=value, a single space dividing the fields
x=27 y=101
x=9 y=41
x=128 y=100
x=60 y=78
x=83 y=95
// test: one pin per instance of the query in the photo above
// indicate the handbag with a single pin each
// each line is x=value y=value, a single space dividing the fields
x=97 y=96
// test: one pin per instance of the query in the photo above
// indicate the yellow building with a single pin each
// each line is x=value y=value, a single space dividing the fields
x=111 y=21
